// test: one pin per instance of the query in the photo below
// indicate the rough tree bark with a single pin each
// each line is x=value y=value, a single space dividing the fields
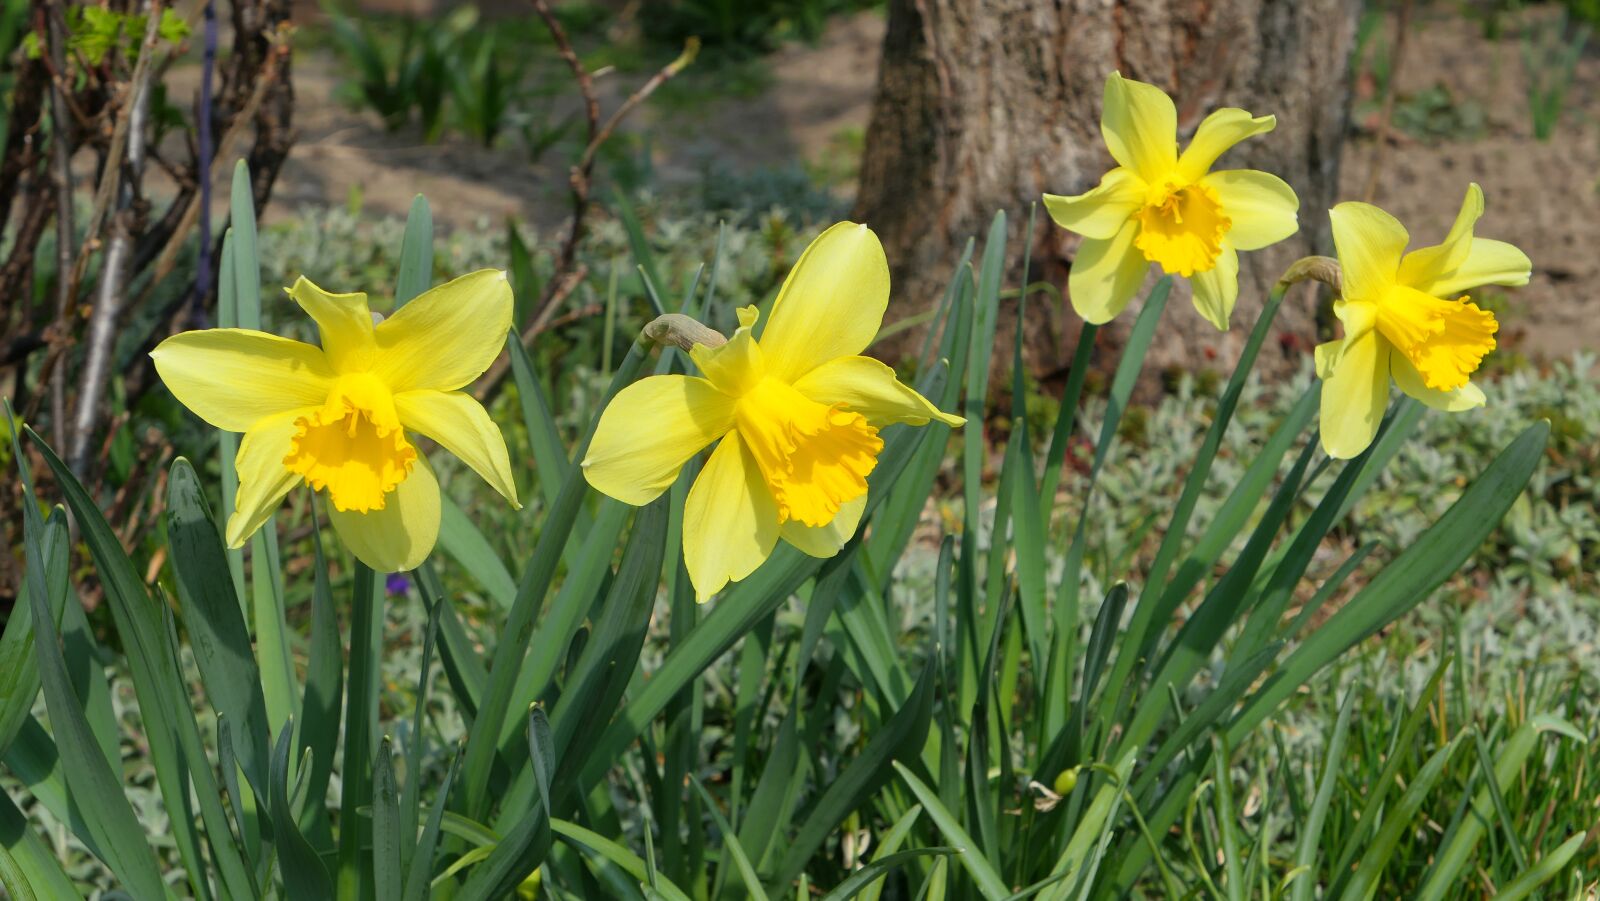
x=986 y=104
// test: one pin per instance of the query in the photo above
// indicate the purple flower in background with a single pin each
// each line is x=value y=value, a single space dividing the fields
x=396 y=584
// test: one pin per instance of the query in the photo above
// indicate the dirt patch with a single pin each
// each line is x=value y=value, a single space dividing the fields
x=1542 y=195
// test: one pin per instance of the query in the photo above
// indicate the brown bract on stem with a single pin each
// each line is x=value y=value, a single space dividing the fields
x=1314 y=268
x=682 y=332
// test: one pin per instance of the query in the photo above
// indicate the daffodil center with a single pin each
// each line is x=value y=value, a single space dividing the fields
x=1181 y=228
x=814 y=457
x=353 y=445
x=1446 y=340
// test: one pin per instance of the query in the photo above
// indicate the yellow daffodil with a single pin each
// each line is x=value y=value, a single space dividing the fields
x=1160 y=206
x=1405 y=316
x=336 y=417
x=795 y=417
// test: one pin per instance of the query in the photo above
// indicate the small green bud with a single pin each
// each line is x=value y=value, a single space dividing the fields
x=1066 y=781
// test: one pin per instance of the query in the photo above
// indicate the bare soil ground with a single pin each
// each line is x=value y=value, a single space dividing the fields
x=1543 y=196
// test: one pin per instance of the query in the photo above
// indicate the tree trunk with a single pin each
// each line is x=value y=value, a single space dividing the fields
x=985 y=104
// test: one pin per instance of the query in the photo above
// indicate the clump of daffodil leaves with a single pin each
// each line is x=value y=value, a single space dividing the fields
x=336 y=417
x=794 y=415
x=1168 y=208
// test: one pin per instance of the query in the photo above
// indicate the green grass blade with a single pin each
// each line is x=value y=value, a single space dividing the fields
x=1396 y=821
x=544 y=438
x=1378 y=793
x=1227 y=825
x=858 y=880
x=1545 y=870
x=361 y=726
x=461 y=539
x=416 y=253
x=608 y=850
x=217 y=633
x=889 y=844
x=603 y=670
x=417 y=875
x=772 y=803
x=730 y=841
x=320 y=704
x=35 y=862
x=1450 y=866
x=246 y=262
x=901 y=738
x=978 y=867
x=1310 y=841
x=304 y=876
x=387 y=867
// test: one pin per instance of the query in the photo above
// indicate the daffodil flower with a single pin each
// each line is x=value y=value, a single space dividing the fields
x=794 y=416
x=337 y=417
x=1160 y=206
x=1405 y=316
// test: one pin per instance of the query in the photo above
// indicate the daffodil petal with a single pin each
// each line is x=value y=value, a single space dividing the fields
x=1409 y=380
x=263 y=479
x=399 y=536
x=1140 y=126
x=1488 y=262
x=730 y=521
x=1216 y=289
x=734 y=367
x=447 y=336
x=1106 y=274
x=825 y=541
x=868 y=387
x=344 y=323
x=1354 y=396
x=1370 y=243
x=233 y=378
x=1463 y=262
x=461 y=426
x=1216 y=134
x=1101 y=211
x=1423 y=266
x=1261 y=207
x=649 y=430
x=1357 y=317
x=832 y=303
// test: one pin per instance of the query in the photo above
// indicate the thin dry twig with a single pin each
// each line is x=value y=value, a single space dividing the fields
x=113 y=271
x=1386 y=117
x=568 y=272
x=61 y=147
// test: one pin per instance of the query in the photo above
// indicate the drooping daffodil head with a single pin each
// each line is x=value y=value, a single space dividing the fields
x=340 y=417
x=794 y=416
x=1168 y=208
x=1406 y=316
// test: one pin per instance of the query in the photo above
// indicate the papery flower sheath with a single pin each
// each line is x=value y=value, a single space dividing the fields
x=1160 y=206
x=1405 y=316
x=794 y=416
x=337 y=417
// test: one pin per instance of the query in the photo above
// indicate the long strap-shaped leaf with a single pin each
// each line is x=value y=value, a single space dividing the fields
x=109 y=817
